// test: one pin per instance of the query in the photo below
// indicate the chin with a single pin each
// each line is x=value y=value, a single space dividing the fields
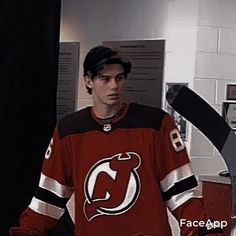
x=113 y=102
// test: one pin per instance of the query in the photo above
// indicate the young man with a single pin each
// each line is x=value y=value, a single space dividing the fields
x=124 y=162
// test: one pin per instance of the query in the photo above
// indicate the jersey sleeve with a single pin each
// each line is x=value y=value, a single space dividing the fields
x=178 y=183
x=54 y=189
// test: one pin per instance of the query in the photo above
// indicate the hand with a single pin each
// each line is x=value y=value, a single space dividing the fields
x=16 y=231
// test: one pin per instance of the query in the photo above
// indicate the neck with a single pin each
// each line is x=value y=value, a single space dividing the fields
x=104 y=112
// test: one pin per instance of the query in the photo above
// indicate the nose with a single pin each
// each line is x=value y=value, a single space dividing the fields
x=114 y=84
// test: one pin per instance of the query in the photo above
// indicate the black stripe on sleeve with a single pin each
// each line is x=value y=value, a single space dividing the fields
x=180 y=187
x=51 y=198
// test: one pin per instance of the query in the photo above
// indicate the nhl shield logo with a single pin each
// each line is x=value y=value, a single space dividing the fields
x=106 y=127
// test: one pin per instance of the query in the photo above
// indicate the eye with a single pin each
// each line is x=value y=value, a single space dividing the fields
x=120 y=77
x=104 y=78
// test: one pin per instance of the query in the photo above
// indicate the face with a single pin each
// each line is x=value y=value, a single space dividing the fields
x=107 y=86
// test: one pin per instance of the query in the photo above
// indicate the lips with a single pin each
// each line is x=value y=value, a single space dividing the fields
x=113 y=96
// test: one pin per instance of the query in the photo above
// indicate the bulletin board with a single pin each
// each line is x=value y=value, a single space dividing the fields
x=145 y=82
x=67 y=78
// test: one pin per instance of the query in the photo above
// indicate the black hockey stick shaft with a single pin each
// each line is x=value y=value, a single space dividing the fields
x=196 y=110
x=199 y=113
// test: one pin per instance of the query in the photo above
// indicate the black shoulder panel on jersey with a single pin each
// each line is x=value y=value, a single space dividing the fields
x=142 y=116
x=138 y=116
x=77 y=122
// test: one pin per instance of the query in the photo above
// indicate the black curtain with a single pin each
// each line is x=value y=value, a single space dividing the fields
x=29 y=44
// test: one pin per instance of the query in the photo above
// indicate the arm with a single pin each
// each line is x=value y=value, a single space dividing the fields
x=178 y=183
x=52 y=194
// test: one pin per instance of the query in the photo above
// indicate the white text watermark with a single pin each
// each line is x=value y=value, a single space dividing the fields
x=209 y=224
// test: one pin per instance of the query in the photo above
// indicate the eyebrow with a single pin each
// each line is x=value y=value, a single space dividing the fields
x=104 y=75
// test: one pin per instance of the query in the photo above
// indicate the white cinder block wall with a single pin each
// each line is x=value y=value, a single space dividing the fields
x=215 y=67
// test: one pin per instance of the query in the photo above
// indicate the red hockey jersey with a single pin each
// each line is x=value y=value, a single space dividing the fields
x=124 y=174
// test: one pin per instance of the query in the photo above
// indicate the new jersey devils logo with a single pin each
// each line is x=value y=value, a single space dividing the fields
x=112 y=185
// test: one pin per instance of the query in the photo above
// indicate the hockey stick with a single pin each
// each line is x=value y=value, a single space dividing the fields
x=196 y=110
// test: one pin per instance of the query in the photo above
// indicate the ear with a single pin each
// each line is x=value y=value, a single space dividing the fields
x=88 y=81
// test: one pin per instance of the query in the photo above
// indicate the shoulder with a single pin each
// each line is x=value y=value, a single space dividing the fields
x=77 y=122
x=80 y=114
x=146 y=116
x=145 y=109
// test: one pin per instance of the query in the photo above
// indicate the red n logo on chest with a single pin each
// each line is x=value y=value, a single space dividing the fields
x=112 y=185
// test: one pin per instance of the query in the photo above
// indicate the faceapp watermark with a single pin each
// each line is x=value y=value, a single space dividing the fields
x=209 y=224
